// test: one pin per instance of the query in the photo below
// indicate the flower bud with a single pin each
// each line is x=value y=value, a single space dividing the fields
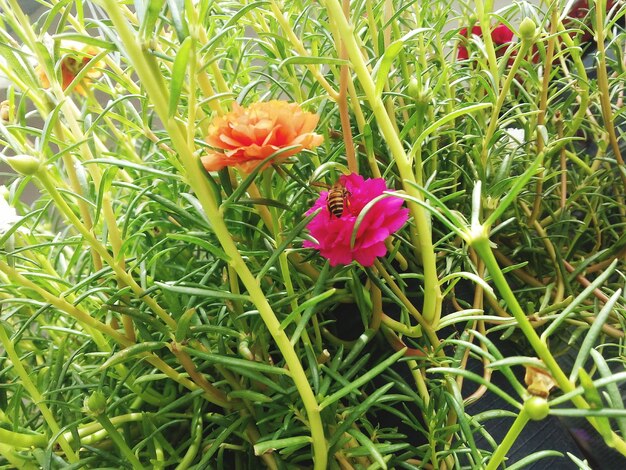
x=490 y=203
x=24 y=164
x=422 y=96
x=527 y=29
x=412 y=88
x=96 y=403
x=5 y=111
x=537 y=408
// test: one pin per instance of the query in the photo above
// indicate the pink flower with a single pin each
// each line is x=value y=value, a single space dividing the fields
x=333 y=234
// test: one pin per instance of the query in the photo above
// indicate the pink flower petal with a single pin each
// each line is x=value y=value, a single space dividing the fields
x=368 y=256
x=334 y=234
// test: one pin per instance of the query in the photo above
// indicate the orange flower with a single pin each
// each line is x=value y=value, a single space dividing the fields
x=77 y=57
x=246 y=136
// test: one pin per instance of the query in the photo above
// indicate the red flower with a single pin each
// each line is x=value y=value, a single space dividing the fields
x=579 y=11
x=501 y=35
x=333 y=234
x=462 y=53
x=247 y=136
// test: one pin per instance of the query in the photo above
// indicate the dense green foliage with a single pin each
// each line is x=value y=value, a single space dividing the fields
x=158 y=315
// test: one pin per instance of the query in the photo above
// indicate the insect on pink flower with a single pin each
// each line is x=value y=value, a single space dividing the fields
x=334 y=224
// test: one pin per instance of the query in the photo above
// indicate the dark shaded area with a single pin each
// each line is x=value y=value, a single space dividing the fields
x=565 y=435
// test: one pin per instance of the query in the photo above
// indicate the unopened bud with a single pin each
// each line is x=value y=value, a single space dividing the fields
x=527 y=29
x=5 y=111
x=490 y=203
x=537 y=408
x=96 y=403
x=421 y=95
x=24 y=164
x=412 y=88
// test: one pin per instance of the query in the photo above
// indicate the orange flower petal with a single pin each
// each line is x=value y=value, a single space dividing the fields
x=67 y=76
x=43 y=78
x=229 y=141
x=214 y=161
x=242 y=134
x=79 y=55
x=259 y=152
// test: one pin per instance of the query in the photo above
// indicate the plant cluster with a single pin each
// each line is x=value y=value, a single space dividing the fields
x=285 y=234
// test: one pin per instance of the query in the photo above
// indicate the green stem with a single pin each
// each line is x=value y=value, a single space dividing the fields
x=493 y=122
x=420 y=383
x=114 y=434
x=217 y=396
x=121 y=274
x=91 y=322
x=21 y=440
x=485 y=26
x=428 y=329
x=199 y=73
x=603 y=85
x=70 y=113
x=17 y=460
x=516 y=428
x=276 y=230
x=32 y=390
x=432 y=291
x=194 y=447
x=582 y=91
x=480 y=242
x=543 y=104
x=158 y=93
x=301 y=50
x=399 y=327
x=342 y=103
x=93 y=432
x=64 y=306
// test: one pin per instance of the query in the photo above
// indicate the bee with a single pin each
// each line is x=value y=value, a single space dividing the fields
x=337 y=199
